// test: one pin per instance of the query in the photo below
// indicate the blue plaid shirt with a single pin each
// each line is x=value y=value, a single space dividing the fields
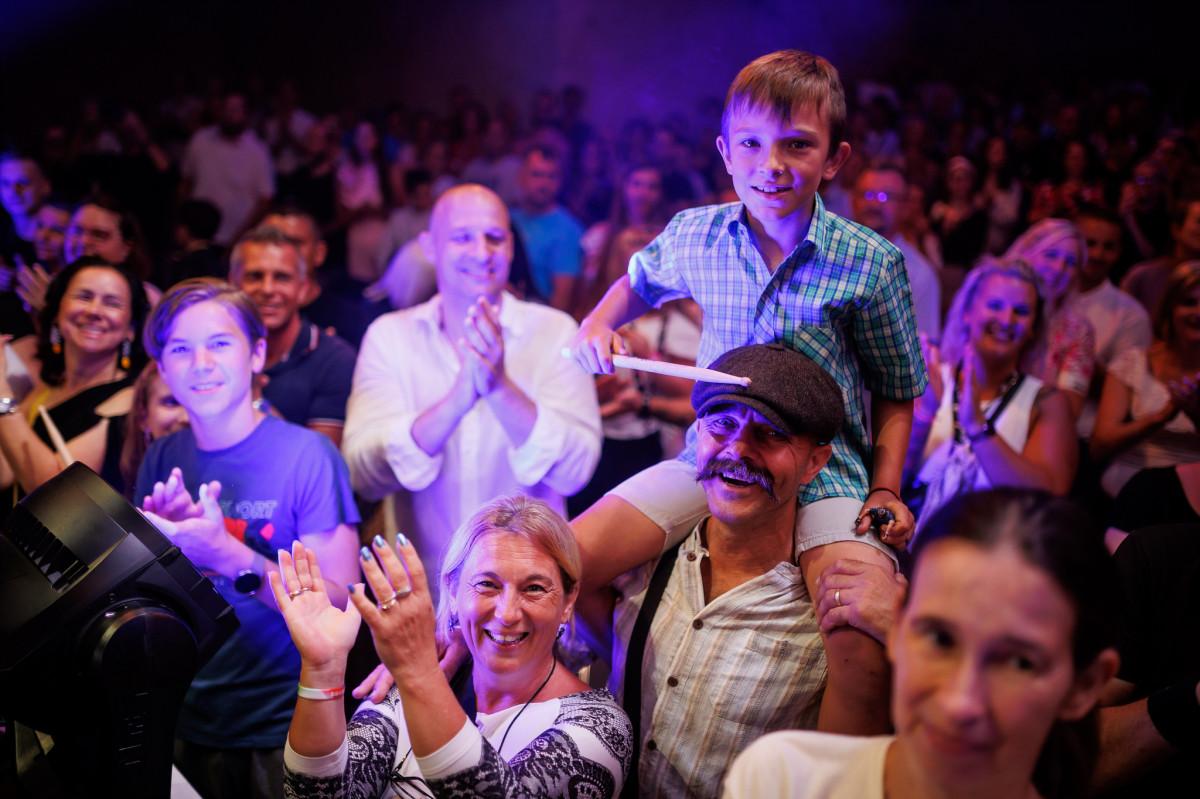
x=842 y=298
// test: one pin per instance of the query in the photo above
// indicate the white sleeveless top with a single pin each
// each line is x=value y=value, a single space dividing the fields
x=951 y=468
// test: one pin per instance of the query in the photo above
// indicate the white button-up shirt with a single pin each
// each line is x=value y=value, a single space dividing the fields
x=407 y=364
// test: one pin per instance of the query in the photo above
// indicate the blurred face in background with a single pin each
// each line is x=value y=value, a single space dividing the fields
x=1056 y=261
x=1103 y=241
x=96 y=231
x=164 y=414
x=878 y=199
x=643 y=194
x=540 y=180
x=50 y=235
x=232 y=119
x=23 y=187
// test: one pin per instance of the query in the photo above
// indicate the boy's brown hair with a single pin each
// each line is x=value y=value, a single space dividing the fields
x=783 y=80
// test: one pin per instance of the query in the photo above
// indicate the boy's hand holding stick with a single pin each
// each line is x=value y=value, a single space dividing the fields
x=674 y=369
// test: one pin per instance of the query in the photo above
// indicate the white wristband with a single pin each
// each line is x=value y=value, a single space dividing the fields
x=320 y=693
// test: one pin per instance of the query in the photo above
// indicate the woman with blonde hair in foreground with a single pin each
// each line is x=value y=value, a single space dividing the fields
x=509 y=583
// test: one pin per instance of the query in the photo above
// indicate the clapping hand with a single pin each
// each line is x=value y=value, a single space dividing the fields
x=933 y=365
x=1185 y=396
x=485 y=346
x=202 y=536
x=970 y=411
x=171 y=500
x=32 y=282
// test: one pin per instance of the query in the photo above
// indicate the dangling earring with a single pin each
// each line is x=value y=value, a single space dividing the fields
x=126 y=349
x=454 y=622
x=55 y=340
x=561 y=631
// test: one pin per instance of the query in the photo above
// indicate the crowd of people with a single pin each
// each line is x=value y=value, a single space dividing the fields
x=331 y=354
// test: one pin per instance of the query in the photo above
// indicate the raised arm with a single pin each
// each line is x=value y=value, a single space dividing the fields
x=198 y=528
x=548 y=408
x=318 y=761
x=891 y=431
x=402 y=625
x=434 y=426
x=597 y=339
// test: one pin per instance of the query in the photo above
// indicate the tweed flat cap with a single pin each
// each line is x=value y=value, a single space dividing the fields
x=786 y=387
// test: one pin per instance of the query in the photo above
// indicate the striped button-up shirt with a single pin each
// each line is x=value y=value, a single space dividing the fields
x=717 y=676
x=842 y=298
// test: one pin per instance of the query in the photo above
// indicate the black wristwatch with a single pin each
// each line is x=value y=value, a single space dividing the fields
x=248 y=581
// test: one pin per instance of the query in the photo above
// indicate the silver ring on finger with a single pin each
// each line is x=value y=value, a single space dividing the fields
x=403 y=593
x=837 y=597
x=296 y=593
x=388 y=602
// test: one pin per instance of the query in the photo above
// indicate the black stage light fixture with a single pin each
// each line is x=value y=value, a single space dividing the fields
x=103 y=625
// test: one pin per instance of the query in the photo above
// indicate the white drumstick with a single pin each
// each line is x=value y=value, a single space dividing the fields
x=675 y=370
x=60 y=446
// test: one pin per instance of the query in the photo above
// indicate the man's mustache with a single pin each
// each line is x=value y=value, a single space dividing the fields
x=738 y=470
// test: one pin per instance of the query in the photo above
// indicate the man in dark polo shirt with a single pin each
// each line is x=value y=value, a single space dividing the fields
x=309 y=372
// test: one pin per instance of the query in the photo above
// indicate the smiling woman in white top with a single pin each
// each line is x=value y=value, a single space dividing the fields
x=984 y=421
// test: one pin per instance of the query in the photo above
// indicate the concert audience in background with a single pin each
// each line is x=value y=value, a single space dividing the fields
x=1074 y=193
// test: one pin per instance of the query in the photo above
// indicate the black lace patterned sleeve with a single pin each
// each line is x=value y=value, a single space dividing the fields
x=584 y=754
x=363 y=769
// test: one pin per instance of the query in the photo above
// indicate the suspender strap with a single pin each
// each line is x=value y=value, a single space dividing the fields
x=633 y=660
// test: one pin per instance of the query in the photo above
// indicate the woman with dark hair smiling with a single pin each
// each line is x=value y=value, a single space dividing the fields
x=89 y=352
x=999 y=655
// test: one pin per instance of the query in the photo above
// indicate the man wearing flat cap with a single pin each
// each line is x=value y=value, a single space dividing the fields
x=716 y=643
